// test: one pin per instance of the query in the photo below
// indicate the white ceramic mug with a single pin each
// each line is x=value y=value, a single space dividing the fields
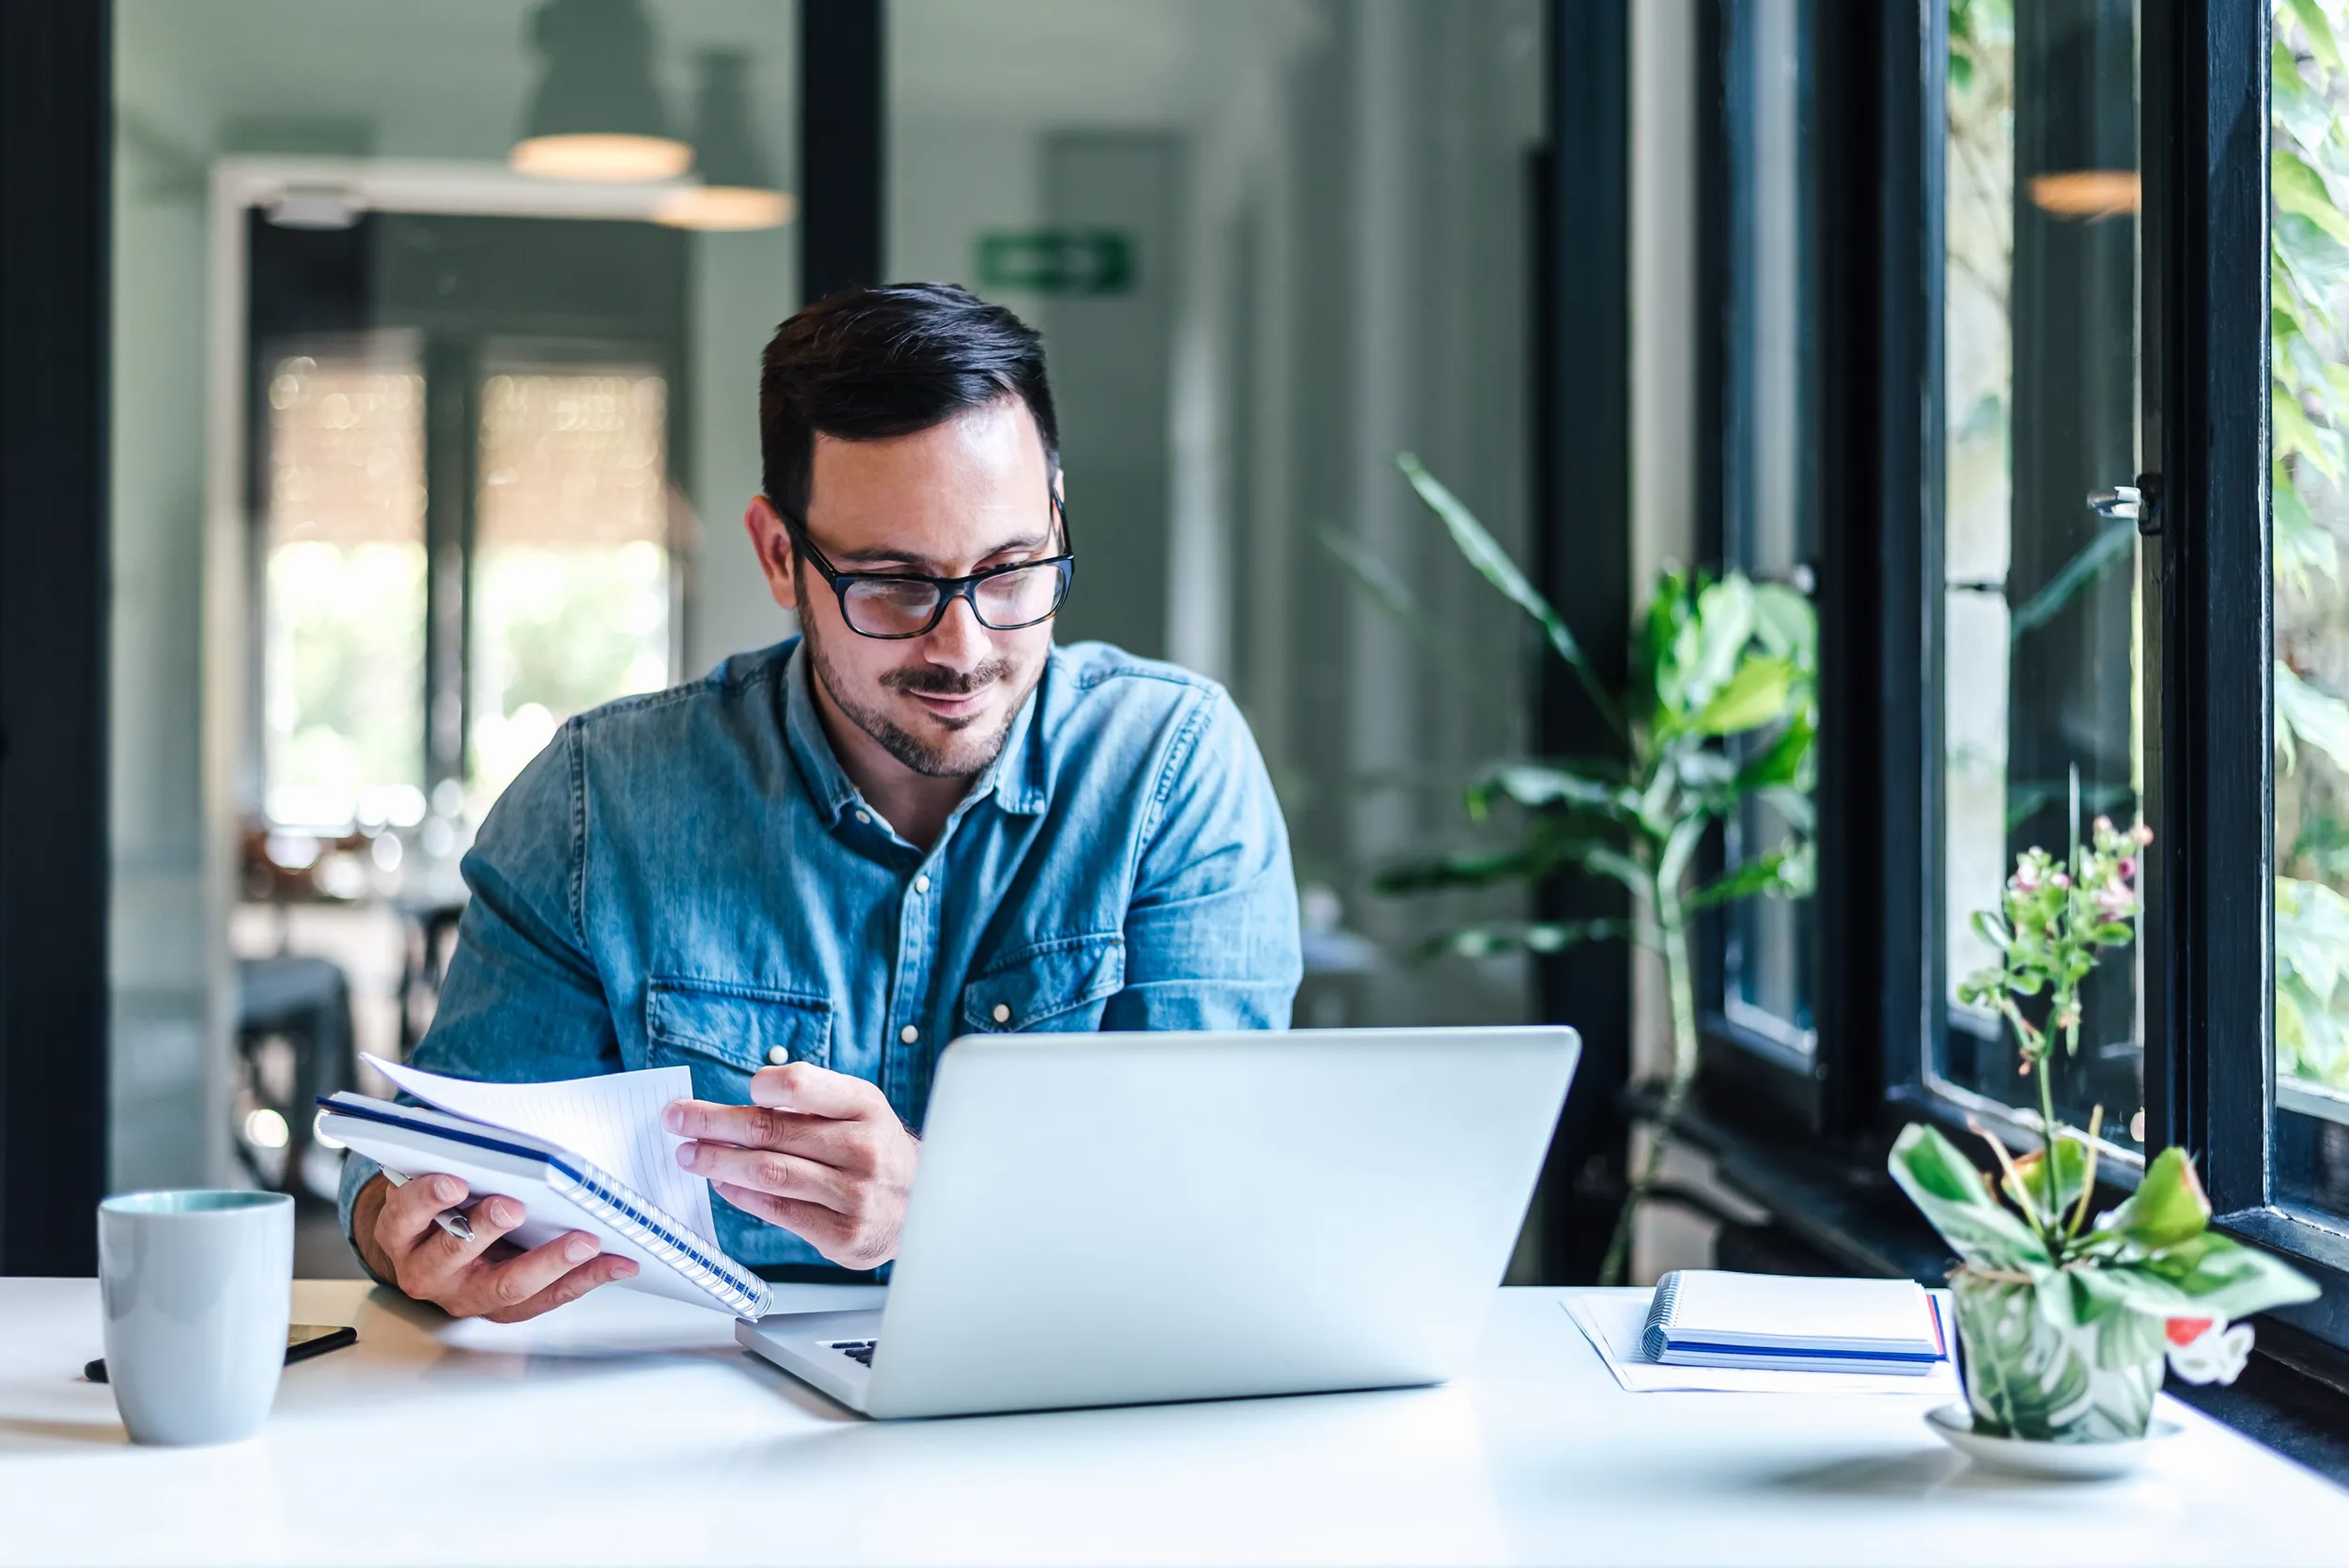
x=198 y=1289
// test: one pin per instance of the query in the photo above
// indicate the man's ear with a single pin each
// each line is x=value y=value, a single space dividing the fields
x=771 y=542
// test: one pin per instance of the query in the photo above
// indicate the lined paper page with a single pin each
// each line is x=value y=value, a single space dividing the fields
x=613 y=1119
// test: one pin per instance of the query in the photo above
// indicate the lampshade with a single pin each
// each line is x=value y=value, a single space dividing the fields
x=737 y=189
x=597 y=114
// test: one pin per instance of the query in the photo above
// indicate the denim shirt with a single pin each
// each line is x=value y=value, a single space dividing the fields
x=689 y=878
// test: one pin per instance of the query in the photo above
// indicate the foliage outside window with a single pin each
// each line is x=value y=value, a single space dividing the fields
x=2041 y=677
x=2309 y=322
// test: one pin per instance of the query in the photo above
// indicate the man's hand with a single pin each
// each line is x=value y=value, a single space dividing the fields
x=487 y=1277
x=819 y=1153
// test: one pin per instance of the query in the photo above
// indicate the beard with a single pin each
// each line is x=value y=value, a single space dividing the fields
x=965 y=751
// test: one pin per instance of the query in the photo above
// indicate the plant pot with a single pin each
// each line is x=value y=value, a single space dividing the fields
x=2034 y=1371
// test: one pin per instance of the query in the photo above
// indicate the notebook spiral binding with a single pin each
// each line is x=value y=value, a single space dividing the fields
x=1660 y=1313
x=748 y=1296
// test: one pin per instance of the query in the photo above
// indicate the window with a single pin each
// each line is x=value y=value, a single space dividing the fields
x=343 y=667
x=2040 y=616
x=1769 y=494
x=570 y=561
x=2310 y=157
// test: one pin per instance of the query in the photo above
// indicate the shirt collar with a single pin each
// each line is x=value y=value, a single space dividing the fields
x=1014 y=779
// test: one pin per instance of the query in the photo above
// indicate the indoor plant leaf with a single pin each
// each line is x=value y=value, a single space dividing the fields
x=1493 y=564
x=1945 y=1185
x=2026 y=1187
x=2166 y=1208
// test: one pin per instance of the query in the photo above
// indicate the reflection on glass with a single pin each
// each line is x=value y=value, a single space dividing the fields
x=2310 y=323
x=343 y=705
x=570 y=576
x=1770 y=492
x=2039 y=714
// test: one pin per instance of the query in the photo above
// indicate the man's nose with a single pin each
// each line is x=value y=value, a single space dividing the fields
x=957 y=639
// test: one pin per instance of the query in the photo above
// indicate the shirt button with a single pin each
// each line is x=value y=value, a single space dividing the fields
x=922 y=884
x=1003 y=1011
x=909 y=1034
x=778 y=1054
x=864 y=819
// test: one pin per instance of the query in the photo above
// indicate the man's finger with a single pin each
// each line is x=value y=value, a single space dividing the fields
x=753 y=1126
x=810 y=1221
x=502 y=1286
x=570 y=1287
x=441 y=1252
x=813 y=1090
x=407 y=1212
x=765 y=1171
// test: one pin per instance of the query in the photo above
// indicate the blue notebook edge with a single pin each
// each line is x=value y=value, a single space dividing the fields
x=1656 y=1341
x=743 y=1292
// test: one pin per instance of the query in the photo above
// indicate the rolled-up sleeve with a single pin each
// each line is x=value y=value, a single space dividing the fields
x=1211 y=934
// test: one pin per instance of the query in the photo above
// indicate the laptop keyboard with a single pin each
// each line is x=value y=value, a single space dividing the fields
x=859 y=1351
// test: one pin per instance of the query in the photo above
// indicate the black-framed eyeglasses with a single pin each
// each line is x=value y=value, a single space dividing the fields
x=893 y=605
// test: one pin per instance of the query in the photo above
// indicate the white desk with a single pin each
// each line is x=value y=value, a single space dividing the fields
x=629 y=1429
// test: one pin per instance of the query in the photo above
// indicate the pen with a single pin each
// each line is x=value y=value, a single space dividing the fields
x=452 y=1220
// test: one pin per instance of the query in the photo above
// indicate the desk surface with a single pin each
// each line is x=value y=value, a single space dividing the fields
x=626 y=1429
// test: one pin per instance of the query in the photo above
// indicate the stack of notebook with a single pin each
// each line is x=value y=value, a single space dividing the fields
x=1708 y=1318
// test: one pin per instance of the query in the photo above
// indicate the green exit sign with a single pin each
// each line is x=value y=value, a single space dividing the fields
x=1058 y=261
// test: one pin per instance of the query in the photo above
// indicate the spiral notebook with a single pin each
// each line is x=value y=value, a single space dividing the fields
x=1703 y=1317
x=562 y=1190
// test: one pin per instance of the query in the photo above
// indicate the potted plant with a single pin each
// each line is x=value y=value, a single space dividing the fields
x=2064 y=1324
x=1721 y=708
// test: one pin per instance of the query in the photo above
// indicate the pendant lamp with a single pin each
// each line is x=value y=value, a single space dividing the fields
x=737 y=189
x=597 y=114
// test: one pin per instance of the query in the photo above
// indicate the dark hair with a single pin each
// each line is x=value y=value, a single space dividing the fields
x=869 y=364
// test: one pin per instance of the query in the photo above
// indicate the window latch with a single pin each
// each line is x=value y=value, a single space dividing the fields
x=2139 y=504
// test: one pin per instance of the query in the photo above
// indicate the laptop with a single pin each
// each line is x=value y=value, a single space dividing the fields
x=1137 y=1218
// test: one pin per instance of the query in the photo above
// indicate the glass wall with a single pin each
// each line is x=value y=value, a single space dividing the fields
x=428 y=434
x=1271 y=248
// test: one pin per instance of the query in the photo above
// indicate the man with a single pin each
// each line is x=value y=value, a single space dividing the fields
x=804 y=875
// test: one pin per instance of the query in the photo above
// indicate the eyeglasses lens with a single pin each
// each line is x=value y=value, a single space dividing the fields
x=1019 y=598
x=890 y=609
x=1014 y=599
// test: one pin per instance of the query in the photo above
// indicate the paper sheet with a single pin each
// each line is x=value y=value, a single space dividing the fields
x=613 y=1119
x=1613 y=1322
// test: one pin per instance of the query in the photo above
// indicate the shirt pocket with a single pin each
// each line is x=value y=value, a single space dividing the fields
x=1058 y=986
x=723 y=1032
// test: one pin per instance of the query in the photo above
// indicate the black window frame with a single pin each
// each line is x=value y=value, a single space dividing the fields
x=2208 y=936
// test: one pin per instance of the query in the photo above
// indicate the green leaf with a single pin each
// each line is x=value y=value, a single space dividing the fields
x=2298 y=189
x=1946 y=1186
x=2071 y=1168
x=2166 y=1208
x=1784 y=871
x=2305 y=713
x=1787 y=624
x=1486 y=941
x=1491 y=562
x=2216 y=1276
x=2319 y=28
x=1539 y=785
x=2297 y=436
x=1756 y=694
x=2302 y=545
x=2115 y=542
x=1391 y=594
